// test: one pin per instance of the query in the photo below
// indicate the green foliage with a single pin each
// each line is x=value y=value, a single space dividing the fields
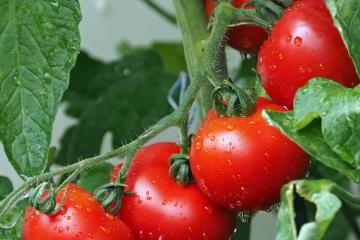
x=95 y=177
x=39 y=42
x=337 y=107
x=122 y=97
x=15 y=232
x=347 y=19
x=172 y=54
x=317 y=192
x=6 y=187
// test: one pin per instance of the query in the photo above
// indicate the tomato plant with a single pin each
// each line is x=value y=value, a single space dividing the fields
x=247 y=39
x=163 y=209
x=80 y=217
x=247 y=155
x=303 y=44
x=242 y=163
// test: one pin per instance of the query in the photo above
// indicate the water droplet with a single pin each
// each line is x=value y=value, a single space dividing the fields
x=197 y=166
x=147 y=192
x=288 y=39
x=91 y=235
x=60 y=230
x=198 y=146
x=281 y=56
x=321 y=66
x=230 y=127
x=229 y=162
x=209 y=210
x=163 y=202
x=212 y=138
x=298 y=41
x=301 y=69
x=148 y=198
x=105 y=230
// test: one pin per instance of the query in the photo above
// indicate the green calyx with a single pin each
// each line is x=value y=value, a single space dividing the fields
x=46 y=205
x=262 y=13
x=229 y=100
x=180 y=169
x=110 y=195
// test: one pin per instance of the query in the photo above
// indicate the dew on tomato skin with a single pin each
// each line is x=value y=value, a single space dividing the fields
x=197 y=166
x=61 y=230
x=281 y=56
x=105 y=230
x=230 y=127
x=212 y=138
x=198 y=146
x=321 y=66
x=301 y=69
x=209 y=210
x=288 y=39
x=147 y=192
x=91 y=235
x=148 y=198
x=298 y=41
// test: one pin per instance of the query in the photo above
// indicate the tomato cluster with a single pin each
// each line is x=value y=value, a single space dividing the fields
x=238 y=163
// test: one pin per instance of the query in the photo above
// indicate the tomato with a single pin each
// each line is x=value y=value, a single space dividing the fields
x=247 y=39
x=241 y=163
x=304 y=44
x=163 y=209
x=81 y=217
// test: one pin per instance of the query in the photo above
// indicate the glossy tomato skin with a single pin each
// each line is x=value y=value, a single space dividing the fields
x=80 y=218
x=241 y=163
x=163 y=209
x=304 y=44
x=247 y=39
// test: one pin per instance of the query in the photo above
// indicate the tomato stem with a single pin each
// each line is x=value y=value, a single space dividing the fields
x=161 y=11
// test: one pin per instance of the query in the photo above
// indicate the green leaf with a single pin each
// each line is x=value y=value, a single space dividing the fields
x=15 y=232
x=79 y=92
x=317 y=192
x=339 y=110
x=312 y=141
x=39 y=42
x=171 y=53
x=126 y=96
x=346 y=16
x=95 y=177
x=6 y=187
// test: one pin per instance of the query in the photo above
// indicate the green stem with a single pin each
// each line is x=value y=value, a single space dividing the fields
x=351 y=219
x=353 y=201
x=242 y=231
x=214 y=62
x=161 y=11
x=193 y=24
x=184 y=138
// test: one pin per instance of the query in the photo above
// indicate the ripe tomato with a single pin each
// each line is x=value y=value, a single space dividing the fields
x=247 y=39
x=163 y=209
x=304 y=44
x=81 y=217
x=241 y=163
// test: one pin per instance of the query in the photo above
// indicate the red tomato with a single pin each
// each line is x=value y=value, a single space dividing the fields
x=81 y=217
x=241 y=163
x=304 y=44
x=247 y=39
x=163 y=209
